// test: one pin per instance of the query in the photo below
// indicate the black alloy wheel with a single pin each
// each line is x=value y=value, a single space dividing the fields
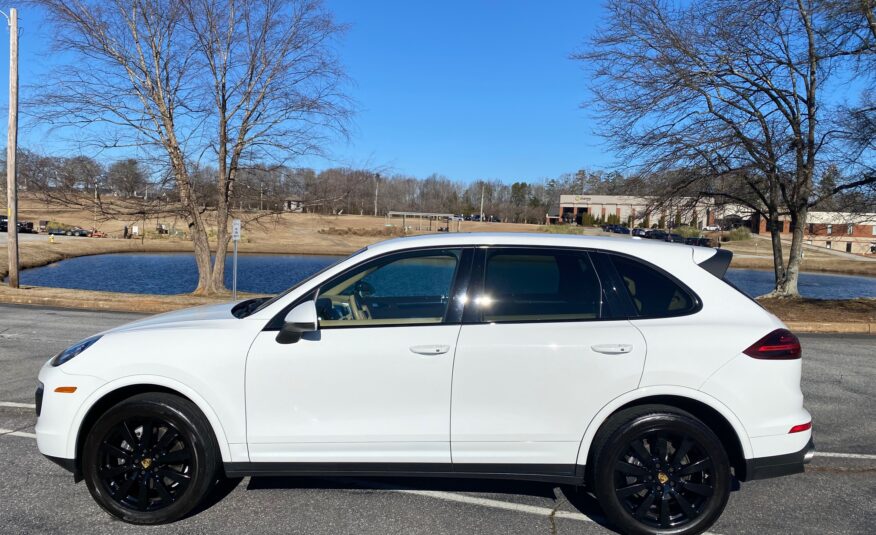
x=664 y=479
x=150 y=459
x=660 y=470
x=145 y=464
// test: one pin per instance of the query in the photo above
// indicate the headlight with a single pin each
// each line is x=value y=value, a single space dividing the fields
x=74 y=350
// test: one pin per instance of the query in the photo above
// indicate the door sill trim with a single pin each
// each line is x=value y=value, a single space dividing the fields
x=554 y=473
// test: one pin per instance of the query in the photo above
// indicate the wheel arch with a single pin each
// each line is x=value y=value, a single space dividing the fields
x=117 y=391
x=718 y=417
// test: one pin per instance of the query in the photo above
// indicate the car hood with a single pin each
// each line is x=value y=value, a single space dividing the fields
x=181 y=317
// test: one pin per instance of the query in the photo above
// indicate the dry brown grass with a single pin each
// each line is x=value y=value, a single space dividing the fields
x=814 y=310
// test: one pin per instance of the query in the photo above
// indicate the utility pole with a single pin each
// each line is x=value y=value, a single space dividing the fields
x=11 y=147
x=482 y=202
x=376 y=191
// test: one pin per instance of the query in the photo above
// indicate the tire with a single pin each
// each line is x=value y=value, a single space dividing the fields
x=150 y=459
x=681 y=488
x=69 y=233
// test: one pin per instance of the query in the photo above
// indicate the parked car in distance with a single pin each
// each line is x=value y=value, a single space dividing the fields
x=68 y=231
x=24 y=227
x=657 y=235
x=711 y=228
x=700 y=242
x=641 y=232
x=620 y=229
x=153 y=413
x=674 y=238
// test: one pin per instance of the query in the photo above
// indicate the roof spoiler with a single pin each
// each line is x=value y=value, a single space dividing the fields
x=718 y=263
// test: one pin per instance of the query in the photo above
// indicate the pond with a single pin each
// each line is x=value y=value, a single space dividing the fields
x=174 y=273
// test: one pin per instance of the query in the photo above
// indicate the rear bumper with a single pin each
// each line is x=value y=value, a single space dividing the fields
x=779 y=465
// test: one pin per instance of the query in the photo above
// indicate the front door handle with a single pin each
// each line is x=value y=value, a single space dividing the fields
x=613 y=349
x=430 y=349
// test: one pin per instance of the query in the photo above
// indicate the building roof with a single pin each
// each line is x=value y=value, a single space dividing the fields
x=841 y=218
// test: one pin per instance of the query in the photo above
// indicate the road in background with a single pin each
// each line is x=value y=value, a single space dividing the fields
x=835 y=495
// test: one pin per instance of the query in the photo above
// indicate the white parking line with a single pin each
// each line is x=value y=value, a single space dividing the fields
x=495 y=504
x=13 y=433
x=844 y=455
x=472 y=500
x=17 y=405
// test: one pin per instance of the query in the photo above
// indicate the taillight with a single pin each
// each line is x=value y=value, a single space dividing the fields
x=780 y=344
x=801 y=427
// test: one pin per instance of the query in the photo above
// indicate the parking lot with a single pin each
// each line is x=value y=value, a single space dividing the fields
x=837 y=494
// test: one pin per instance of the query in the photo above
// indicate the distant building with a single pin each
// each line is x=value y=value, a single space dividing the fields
x=631 y=210
x=840 y=231
x=293 y=205
x=852 y=233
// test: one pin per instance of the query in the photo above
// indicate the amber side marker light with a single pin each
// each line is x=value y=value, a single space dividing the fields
x=65 y=389
x=801 y=427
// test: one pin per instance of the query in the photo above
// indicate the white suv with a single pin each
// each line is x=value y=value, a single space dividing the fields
x=629 y=367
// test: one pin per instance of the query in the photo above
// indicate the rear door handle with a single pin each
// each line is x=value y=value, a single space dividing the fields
x=613 y=349
x=430 y=349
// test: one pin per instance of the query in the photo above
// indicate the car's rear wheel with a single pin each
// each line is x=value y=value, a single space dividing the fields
x=660 y=470
x=150 y=459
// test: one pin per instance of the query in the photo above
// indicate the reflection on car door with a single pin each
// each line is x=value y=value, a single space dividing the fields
x=537 y=357
x=373 y=384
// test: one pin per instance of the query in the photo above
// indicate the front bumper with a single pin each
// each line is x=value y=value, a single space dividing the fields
x=779 y=465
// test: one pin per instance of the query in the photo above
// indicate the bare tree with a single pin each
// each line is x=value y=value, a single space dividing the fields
x=126 y=177
x=727 y=95
x=198 y=82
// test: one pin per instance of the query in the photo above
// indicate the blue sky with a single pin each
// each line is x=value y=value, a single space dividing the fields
x=468 y=89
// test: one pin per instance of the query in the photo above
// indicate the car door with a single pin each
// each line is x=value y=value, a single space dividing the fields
x=373 y=383
x=538 y=355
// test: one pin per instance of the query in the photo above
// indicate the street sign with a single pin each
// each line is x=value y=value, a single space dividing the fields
x=235 y=237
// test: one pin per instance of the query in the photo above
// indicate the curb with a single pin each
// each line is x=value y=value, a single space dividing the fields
x=829 y=327
x=141 y=306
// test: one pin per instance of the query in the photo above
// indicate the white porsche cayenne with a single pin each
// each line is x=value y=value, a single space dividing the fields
x=626 y=366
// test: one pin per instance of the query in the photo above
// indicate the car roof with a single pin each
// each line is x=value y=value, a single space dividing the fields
x=632 y=245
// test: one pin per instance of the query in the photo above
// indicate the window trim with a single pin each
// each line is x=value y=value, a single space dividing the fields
x=472 y=315
x=453 y=314
x=698 y=303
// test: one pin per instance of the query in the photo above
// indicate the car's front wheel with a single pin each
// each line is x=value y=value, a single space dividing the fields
x=150 y=459
x=660 y=470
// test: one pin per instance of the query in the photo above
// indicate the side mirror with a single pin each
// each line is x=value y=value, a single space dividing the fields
x=301 y=319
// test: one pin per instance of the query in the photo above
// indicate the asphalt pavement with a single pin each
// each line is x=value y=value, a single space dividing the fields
x=837 y=494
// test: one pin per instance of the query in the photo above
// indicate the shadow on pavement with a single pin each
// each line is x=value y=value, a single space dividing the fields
x=577 y=497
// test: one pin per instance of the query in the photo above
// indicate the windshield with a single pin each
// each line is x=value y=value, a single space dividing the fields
x=274 y=299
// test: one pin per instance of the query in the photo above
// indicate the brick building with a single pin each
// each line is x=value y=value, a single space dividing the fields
x=628 y=209
x=841 y=231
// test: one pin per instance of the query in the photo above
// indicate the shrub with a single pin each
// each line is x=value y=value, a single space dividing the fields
x=737 y=234
x=687 y=232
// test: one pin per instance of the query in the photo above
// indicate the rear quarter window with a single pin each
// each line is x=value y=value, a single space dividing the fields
x=654 y=294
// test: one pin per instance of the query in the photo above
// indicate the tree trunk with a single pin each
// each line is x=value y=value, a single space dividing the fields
x=788 y=288
x=775 y=228
x=201 y=243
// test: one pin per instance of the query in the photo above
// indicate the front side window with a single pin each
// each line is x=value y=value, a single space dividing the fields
x=653 y=294
x=404 y=289
x=528 y=286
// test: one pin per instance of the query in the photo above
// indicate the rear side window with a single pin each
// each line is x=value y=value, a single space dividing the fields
x=653 y=293
x=530 y=286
